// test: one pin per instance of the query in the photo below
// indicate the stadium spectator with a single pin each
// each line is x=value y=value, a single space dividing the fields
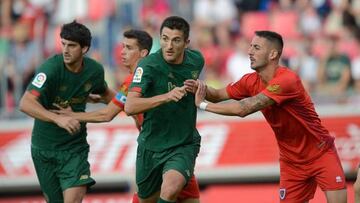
x=169 y=142
x=334 y=71
x=238 y=63
x=58 y=146
x=357 y=187
x=308 y=156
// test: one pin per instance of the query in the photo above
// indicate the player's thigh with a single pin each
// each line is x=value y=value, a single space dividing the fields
x=357 y=183
x=295 y=184
x=328 y=171
x=182 y=159
x=336 y=196
x=74 y=169
x=45 y=167
x=148 y=172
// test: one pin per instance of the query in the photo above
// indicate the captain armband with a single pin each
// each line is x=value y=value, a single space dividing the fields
x=120 y=99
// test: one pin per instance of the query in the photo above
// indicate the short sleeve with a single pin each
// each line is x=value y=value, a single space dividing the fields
x=283 y=87
x=142 y=78
x=238 y=90
x=43 y=79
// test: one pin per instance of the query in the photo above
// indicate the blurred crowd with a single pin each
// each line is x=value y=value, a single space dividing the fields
x=322 y=39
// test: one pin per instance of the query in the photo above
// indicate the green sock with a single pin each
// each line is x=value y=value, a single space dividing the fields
x=163 y=201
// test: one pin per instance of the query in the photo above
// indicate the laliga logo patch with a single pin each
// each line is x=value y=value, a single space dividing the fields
x=39 y=80
x=138 y=75
x=282 y=193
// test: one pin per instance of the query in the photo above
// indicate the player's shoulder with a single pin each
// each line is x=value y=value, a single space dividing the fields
x=284 y=71
x=52 y=63
x=93 y=63
x=194 y=54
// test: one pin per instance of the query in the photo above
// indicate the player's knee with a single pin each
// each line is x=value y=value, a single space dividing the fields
x=169 y=191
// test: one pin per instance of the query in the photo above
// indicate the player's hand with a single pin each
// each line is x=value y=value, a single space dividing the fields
x=62 y=111
x=69 y=124
x=176 y=94
x=191 y=85
x=94 y=98
x=200 y=93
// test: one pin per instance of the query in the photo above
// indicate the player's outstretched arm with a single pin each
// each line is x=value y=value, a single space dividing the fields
x=212 y=94
x=240 y=108
x=30 y=105
x=136 y=104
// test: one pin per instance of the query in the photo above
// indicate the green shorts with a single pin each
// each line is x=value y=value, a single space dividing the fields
x=60 y=170
x=150 y=166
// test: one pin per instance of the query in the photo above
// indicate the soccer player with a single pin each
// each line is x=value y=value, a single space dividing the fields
x=58 y=146
x=357 y=187
x=308 y=156
x=169 y=142
x=136 y=45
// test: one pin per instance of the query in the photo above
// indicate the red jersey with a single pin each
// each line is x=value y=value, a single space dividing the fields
x=120 y=97
x=297 y=127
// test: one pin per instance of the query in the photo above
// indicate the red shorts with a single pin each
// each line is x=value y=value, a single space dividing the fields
x=298 y=182
x=191 y=191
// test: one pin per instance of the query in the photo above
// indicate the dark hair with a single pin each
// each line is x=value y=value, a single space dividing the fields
x=272 y=37
x=143 y=38
x=178 y=23
x=76 y=32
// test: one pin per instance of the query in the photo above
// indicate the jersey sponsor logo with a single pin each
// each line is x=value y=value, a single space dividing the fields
x=282 y=193
x=39 y=80
x=274 y=88
x=194 y=74
x=138 y=75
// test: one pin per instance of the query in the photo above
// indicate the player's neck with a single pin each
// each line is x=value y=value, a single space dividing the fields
x=267 y=73
x=75 y=67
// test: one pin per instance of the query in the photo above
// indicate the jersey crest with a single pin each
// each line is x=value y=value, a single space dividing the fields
x=274 y=88
x=39 y=80
x=282 y=193
x=194 y=74
x=138 y=75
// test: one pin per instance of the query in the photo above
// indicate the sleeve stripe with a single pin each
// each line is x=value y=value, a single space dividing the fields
x=35 y=93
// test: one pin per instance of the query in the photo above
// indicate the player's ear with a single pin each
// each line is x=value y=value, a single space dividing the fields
x=187 y=42
x=274 y=54
x=144 y=52
x=85 y=49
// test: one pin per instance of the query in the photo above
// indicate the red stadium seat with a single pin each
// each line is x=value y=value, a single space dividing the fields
x=252 y=21
x=285 y=23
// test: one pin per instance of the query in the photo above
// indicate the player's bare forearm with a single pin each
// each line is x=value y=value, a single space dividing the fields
x=105 y=114
x=30 y=105
x=216 y=95
x=241 y=108
x=212 y=94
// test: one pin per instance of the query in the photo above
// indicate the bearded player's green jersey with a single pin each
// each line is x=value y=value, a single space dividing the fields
x=174 y=123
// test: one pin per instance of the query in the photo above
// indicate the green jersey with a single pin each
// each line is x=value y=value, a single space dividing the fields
x=174 y=123
x=55 y=84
